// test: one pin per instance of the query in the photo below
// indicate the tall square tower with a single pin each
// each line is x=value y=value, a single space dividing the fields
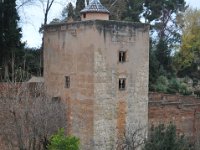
x=100 y=69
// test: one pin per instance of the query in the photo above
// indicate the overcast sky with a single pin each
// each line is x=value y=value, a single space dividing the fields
x=32 y=17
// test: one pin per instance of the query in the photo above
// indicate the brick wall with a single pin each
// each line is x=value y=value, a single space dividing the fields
x=183 y=111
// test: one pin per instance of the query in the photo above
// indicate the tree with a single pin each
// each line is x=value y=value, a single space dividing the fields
x=46 y=5
x=10 y=35
x=187 y=60
x=132 y=139
x=80 y=4
x=68 y=12
x=165 y=138
x=133 y=11
x=22 y=3
x=28 y=116
x=31 y=62
x=61 y=142
x=164 y=17
x=117 y=8
x=164 y=14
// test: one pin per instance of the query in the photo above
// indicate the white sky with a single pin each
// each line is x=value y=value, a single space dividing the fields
x=32 y=17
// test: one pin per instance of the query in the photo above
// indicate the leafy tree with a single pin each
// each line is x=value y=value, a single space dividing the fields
x=117 y=8
x=162 y=10
x=164 y=17
x=154 y=64
x=165 y=138
x=133 y=11
x=61 y=142
x=187 y=60
x=164 y=13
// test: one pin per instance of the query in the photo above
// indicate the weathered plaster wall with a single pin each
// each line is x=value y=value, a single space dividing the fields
x=88 y=52
x=67 y=53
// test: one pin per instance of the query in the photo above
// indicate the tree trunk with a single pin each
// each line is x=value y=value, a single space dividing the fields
x=6 y=72
x=13 y=67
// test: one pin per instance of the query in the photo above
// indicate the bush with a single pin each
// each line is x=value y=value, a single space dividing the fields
x=61 y=142
x=161 y=84
x=170 y=86
x=184 y=89
x=164 y=138
x=174 y=86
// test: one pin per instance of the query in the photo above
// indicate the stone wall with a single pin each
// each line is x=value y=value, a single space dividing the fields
x=183 y=111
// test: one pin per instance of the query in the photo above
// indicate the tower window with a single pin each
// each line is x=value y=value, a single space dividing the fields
x=84 y=15
x=122 y=83
x=122 y=56
x=67 y=81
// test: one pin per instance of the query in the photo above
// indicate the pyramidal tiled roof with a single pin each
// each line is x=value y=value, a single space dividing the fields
x=95 y=6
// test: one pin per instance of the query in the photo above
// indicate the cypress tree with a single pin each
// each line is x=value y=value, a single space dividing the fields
x=10 y=35
x=68 y=12
x=80 y=4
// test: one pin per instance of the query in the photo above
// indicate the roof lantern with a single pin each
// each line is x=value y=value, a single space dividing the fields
x=94 y=11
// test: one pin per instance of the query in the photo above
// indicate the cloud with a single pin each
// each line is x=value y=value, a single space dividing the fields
x=193 y=3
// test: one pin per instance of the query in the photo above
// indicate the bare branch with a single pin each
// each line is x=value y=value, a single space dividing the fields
x=29 y=117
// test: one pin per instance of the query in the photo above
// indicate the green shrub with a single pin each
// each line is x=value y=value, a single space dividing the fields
x=61 y=142
x=184 y=89
x=174 y=86
x=161 y=84
x=165 y=138
x=170 y=86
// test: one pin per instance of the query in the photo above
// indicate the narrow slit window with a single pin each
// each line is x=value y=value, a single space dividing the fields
x=67 y=82
x=122 y=56
x=122 y=83
x=56 y=99
x=84 y=15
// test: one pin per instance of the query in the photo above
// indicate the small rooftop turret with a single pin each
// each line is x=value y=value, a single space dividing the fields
x=95 y=10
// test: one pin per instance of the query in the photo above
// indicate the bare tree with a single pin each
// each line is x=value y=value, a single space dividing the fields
x=132 y=139
x=46 y=8
x=28 y=116
x=22 y=3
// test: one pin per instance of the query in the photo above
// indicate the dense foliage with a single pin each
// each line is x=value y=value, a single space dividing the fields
x=69 y=12
x=165 y=138
x=187 y=60
x=61 y=142
x=165 y=39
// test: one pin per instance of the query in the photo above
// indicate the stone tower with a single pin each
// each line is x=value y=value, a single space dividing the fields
x=100 y=69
